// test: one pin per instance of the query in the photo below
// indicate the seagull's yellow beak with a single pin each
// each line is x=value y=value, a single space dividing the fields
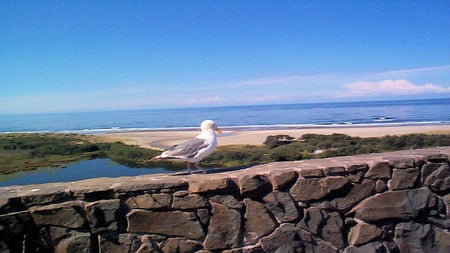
x=218 y=130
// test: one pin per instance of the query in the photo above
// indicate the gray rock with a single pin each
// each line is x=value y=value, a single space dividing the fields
x=254 y=186
x=363 y=233
x=380 y=186
x=441 y=240
x=373 y=247
x=103 y=215
x=404 y=204
x=150 y=201
x=224 y=228
x=118 y=243
x=257 y=221
x=180 y=245
x=380 y=170
x=308 y=189
x=69 y=214
x=437 y=176
x=190 y=201
x=357 y=193
x=210 y=185
x=175 y=223
x=335 y=171
x=402 y=162
x=414 y=237
x=67 y=240
x=437 y=158
x=403 y=178
x=282 y=180
x=311 y=172
x=227 y=200
x=282 y=206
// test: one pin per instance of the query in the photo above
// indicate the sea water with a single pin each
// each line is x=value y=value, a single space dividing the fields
x=382 y=113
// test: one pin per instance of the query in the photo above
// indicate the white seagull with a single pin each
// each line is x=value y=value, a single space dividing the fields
x=195 y=149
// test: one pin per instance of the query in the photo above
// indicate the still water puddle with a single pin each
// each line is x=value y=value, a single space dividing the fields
x=76 y=171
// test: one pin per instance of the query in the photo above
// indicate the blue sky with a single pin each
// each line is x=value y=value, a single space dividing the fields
x=64 y=56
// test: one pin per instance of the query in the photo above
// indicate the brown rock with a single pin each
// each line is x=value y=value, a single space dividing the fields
x=254 y=186
x=373 y=247
x=441 y=240
x=380 y=186
x=335 y=171
x=282 y=180
x=78 y=243
x=363 y=233
x=223 y=229
x=380 y=170
x=150 y=201
x=403 y=178
x=257 y=222
x=357 y=193
x=189 y=202
x=282 y=206
x=118 y=243
x=437 y=176
x=402 y=162
x=103 y=215
x=68 y=214
x=311 y=172
x=283 y=239
x=327 y=225
x=210 y=185
x=180 y=245
x=437 y=158
x=307 y=189
x=404 y=204
x=174 y=223
x=227 y=200
x=414 y=237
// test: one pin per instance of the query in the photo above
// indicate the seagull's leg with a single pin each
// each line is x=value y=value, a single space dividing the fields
x=200 y=168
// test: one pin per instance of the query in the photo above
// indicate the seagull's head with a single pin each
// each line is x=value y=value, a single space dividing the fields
x=210 y=125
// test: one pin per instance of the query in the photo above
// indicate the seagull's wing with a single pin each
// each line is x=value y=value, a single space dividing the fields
x=186 y=149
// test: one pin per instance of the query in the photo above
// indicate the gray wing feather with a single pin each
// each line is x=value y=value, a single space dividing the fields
x=186 y=149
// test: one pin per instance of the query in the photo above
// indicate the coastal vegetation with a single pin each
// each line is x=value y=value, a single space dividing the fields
x=19 y=152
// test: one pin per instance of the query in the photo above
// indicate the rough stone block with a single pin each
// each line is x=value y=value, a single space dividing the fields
x=282 y=206
x=210 y=185
x=436 y=176
x=282 y=180
x=69 y=214
x=180 y=245
x=227 y=200
x=257 y=221
x=380 y=170
x=224 y=228
x=403 y=179
x=254 y=186
x=311 y=172
x=191 y=201
x=175 y=223
x=404 y=204
x=150 y=201
x=402 y=162
x=103 y=215
x=357 y=193
x=363 y=233
x=308 y=189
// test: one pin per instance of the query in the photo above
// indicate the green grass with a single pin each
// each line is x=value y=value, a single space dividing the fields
x=21 y=152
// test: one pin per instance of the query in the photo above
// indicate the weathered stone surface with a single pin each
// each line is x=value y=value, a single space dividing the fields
x=403 y=179
x=201 y=186
x=311 y=172
x=175 y=223
x=180 y=245
x=282 y=180
x=357 y=168
x=335 y=171
x=380 y=186
x=150 y=201
x=227 y=200
x=307 y=189
x=373 y=247
x=380 y=170
x=16 y=223
x=327 y=225
x=437 y=176
x=46 y=195
x=103 y=215
x=446 y=200
x=190 y=201
x=414 y=237
x=203 y=216
x=402 y=162
x=254 y=186
x=257 y=221
x=68 y=214
x=441 y=240
x=283 y=239
x=437 y=158
x=118 y=243
x=282 y=206
x=224 y=228
x=357 y=193
x=404 y=204
x=363 y=233
x=67 y=240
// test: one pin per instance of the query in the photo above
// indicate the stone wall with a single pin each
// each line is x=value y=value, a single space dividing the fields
x=390 y=202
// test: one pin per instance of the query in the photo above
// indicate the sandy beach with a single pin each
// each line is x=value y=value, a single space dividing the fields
x=164 y=139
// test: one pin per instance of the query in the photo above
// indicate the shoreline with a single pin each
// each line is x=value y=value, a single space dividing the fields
x=160 y=139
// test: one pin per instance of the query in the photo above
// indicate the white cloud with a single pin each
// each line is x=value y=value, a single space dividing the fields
x=390 y=87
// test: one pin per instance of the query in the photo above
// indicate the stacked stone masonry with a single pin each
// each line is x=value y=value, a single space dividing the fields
x=388 y=202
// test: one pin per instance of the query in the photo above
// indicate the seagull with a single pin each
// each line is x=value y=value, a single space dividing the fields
x=195 y=149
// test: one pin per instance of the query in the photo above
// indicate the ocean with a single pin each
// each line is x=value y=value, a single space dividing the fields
x=379 y=113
